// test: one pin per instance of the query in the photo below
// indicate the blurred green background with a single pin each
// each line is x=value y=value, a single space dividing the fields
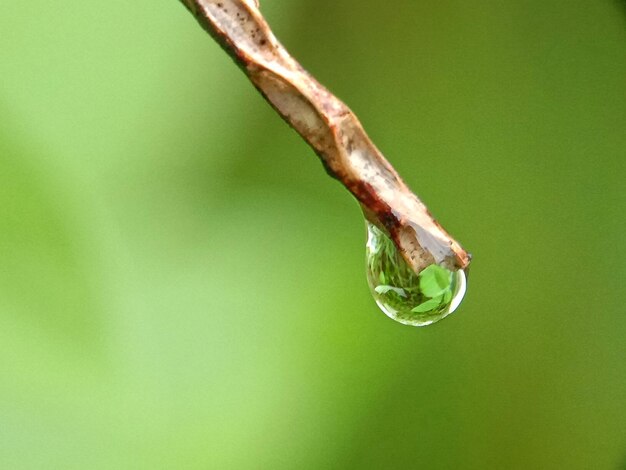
x=182 y=286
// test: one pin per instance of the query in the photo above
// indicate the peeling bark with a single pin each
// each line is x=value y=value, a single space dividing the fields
x=331 y=129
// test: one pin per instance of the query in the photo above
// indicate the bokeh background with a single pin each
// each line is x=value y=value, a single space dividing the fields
x=182 y=286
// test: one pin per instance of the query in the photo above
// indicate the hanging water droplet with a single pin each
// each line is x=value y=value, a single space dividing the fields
x=407 y=297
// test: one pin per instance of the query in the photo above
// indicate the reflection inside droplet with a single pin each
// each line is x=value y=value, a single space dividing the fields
x=410 y=298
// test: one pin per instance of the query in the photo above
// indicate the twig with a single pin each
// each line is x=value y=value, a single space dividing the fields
x=331 y=129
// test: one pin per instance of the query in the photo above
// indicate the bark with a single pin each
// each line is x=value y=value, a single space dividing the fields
x=331 y=129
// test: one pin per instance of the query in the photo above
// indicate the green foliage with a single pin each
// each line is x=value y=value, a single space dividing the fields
x=435 y=280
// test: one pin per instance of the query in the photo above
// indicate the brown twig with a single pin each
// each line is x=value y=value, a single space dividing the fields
x=331 y=129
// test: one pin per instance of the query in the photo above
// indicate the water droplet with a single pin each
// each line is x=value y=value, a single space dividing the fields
x=410 y=298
